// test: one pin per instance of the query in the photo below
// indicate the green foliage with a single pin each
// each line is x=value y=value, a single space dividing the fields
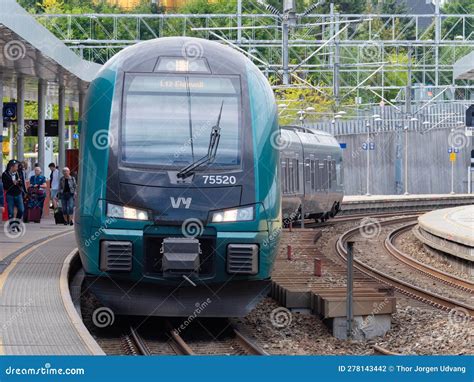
x=72 y=6
x=453 y=26
x=297 y=99
x=204 y=6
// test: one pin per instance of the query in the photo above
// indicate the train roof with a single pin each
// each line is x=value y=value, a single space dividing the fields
x=156 y=55
x=312 y=136
x=303 y=129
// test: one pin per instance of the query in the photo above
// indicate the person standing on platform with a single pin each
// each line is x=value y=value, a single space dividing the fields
x=53 y=184
x=13 y=187
x=67 y=193
x=2 y=202
x=32 y=172
x=22 y=172
x=36 y=191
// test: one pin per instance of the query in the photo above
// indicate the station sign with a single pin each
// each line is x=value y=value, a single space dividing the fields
x=51 y=128
x=343 y=145
x=370 y=146
x=9 y=112
x=452 y=157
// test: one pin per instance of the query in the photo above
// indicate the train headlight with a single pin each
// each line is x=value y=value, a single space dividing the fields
x=233 y=215
x=123 y=212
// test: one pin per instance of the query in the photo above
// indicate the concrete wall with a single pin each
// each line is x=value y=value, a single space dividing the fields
x=429 y=168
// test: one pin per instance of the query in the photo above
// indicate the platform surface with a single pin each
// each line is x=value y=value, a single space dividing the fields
x=33 y=316
x=32 y=233
x=454 y=224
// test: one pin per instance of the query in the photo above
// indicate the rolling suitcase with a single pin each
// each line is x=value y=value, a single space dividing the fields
x=58 y=215
x=34 y=214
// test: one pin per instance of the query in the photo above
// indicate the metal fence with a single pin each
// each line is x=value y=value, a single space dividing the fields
x=423 y=118
x=417 y=159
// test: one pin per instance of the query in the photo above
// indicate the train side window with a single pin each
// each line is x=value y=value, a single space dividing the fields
x=325 y=175
x=329 y=174
x=319 y=174
x=339 y=173
x=334 y=173
x=283 y=174
x=290 y=175
x=297 y=175
x=307 y=170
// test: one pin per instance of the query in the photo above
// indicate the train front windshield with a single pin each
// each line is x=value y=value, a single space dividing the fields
x=167 y=120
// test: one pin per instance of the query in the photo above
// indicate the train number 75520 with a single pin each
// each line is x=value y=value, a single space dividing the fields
x=219 y=179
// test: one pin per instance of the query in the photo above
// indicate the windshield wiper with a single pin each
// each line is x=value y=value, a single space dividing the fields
x=211 y=150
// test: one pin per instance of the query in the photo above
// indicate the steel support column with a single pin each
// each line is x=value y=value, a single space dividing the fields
x=70 y=128
x=20 y=113
x=62 y=126
x=42 y=85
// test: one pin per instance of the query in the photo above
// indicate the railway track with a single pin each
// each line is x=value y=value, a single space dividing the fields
x=230 y=342
x=355 y=217
x=410 y=289
x=434 y=273
x=379 y=350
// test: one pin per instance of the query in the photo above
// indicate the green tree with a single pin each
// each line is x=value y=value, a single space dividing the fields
x=52 y=6
x=296 y=99
x=453 y=26
x=205 y=6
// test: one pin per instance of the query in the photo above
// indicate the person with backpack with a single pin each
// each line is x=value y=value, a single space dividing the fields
x=13 y=186
x=67 y=194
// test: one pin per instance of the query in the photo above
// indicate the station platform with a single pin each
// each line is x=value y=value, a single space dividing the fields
x=450 y=230
x=377 y=203
x=36 y=312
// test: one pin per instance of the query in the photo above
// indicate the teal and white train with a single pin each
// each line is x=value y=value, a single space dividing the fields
x=179 y=182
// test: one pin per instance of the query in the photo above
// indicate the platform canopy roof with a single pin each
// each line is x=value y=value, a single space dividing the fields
x=28 y=49
x=464 y=68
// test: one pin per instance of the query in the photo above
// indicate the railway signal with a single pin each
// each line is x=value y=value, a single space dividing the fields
x=452 y=151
